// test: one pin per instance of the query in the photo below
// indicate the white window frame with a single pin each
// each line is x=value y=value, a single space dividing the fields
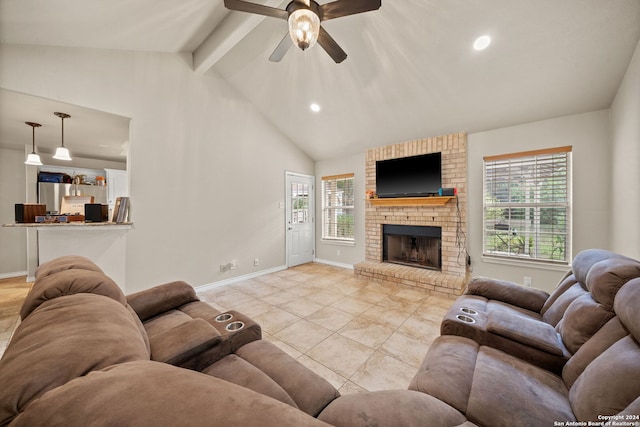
x=527 y=240
x=332 y=207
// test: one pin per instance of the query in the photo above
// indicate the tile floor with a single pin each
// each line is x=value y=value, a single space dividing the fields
x=359 y=335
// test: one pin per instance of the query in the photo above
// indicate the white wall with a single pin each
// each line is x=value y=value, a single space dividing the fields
x=589 y=135
x=625 y=146
x=335 y=253
x=206 y=168
x=13 y=242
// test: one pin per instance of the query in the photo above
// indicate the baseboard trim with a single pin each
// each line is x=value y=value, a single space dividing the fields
x=237 y=279
x=333 y=263
x=14 y=274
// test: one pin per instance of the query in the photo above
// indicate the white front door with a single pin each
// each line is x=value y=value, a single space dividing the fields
x=300 y=219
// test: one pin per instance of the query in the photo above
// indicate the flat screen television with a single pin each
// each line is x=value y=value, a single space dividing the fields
x=415 y=176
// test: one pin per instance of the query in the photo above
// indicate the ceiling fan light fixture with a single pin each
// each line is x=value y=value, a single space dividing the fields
x=33 y=158
x=304 y=28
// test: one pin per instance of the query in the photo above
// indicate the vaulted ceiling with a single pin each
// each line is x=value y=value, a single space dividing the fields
x=411 y=71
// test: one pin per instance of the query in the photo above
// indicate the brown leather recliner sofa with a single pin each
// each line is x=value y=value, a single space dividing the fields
x=87 y=355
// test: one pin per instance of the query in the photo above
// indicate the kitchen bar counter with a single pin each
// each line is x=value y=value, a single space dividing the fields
x=73 y=224
x=102 y=242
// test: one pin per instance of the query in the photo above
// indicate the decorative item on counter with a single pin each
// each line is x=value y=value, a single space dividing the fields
x=371 y=194
x=100 y=181
x=121 y=210
x=52 y=219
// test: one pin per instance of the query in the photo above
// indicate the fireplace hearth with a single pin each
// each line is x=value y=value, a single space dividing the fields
x=412 y=245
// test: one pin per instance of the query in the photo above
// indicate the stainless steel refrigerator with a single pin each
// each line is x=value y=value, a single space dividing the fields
x=51 y=194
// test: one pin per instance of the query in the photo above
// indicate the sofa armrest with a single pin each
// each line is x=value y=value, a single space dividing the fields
x=187 y=340
x=161 y=298
x=508 y=292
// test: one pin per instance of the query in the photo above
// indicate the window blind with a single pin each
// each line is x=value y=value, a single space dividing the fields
x=527 y=205
x=338 y=207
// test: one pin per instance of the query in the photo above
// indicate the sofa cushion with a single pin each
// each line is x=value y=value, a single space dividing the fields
x=309 y=391
x=509 y=392
x=626 y=306
x=165 y=321
x=611 y=332
x=447 y=370
x=554 y=312
x=63 y=339
x=68 y=262
x=585 y=259
x=607 y=277
x=180 y=344
x=153 y=394
x=69 y=282
x=583 y=318
x=525 y=330
x=238 y=371
x=404 y=408
x=610 y=383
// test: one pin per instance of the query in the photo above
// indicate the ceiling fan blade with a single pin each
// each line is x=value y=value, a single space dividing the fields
x=245 y=6
x=331 y=47
x=281 y=49
x=340 y=8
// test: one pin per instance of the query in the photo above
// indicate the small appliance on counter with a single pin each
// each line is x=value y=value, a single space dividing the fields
x=27 y=212
x=96 y=212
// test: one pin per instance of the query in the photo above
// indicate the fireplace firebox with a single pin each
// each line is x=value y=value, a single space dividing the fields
x=412 y=245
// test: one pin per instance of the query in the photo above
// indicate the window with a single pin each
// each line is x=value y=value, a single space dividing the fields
x=527 y=205
x=337 y=207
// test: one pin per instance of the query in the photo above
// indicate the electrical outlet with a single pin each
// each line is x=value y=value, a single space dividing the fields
x=338 y=252
x=527 y=281
x=256 y=262
x=232 y=265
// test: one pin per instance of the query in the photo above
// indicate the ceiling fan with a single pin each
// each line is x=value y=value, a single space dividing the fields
x=304 y=17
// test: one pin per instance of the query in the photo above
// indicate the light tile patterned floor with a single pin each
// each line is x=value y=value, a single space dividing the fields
x=359 y=335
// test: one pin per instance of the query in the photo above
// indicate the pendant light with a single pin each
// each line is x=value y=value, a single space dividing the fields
x=62 y=153
x=33 y=158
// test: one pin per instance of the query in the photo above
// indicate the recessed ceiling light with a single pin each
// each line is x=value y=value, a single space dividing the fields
x=482 y=43
x=315 y=107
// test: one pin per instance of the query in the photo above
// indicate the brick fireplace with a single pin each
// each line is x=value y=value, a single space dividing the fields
x=438 y=265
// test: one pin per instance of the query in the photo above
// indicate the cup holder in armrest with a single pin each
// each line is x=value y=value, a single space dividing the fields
x=224 y=317
x=468 y=311
x=235 y=326
x=466 y=319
